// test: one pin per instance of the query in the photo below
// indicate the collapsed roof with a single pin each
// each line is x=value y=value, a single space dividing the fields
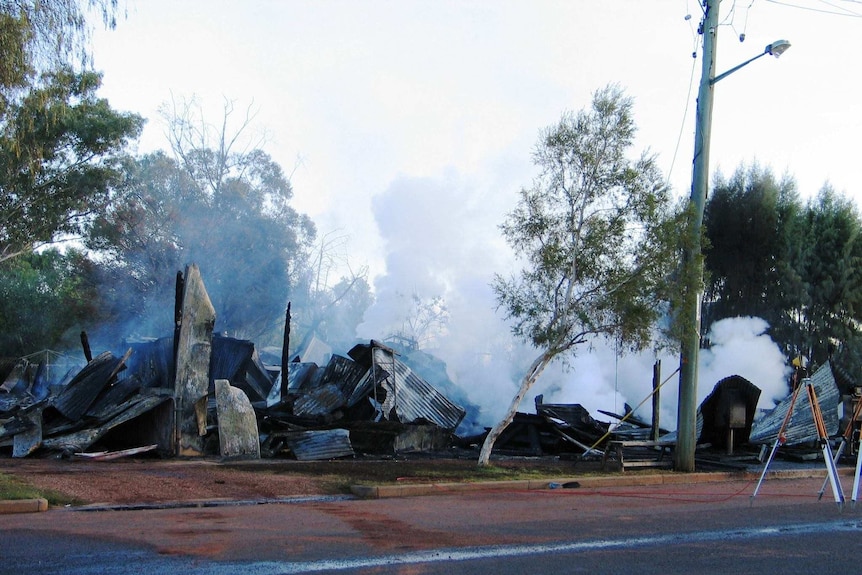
x=166 y=393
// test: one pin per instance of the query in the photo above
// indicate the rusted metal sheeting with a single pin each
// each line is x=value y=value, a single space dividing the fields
x=319 y=445
x=801 y=428
x=412 y=398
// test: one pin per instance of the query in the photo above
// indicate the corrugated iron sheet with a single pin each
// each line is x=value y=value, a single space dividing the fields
x=344 y=373
x=413 y=399
x=152 y=362
x=801 y=428
x=236 y=360
x=300 y=375
x=330 y=389
x=321 y=400
x=228 y=358
x=319 y=445
x=82 y=391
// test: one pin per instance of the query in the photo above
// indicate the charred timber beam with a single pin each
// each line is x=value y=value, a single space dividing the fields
x=179 y=288
x=285 y=346
x=85 y=343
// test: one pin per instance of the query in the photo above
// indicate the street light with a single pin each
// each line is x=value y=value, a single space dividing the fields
x=692 y=257
x=776 y=49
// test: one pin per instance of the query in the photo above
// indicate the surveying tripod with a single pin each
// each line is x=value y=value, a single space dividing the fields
x=822 y=436
x=847 y=438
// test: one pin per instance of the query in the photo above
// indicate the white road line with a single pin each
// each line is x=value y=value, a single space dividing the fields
x=472 y=553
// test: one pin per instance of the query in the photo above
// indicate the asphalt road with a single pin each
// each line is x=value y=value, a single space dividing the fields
x=699 y=528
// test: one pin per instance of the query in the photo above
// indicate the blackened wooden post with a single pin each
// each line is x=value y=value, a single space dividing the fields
x=285 y=359
x=85 y=343
x=178 y=316
x=656 y=400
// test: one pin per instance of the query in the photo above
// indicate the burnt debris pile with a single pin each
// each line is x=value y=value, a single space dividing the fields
x=199 y=393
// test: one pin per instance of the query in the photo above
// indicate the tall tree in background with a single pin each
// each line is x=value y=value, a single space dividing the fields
x=218 y=204
x=833 y=272
x=39 y=35
x=61 y=152
x=597 y=238
x=140 y=249
x=795 y=265
x=752 y=225
x=60 y=145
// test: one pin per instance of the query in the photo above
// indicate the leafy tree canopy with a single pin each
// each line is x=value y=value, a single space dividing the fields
x=833 y=272
x=44 y=35
x=60 y=145
x=597 y=237
x=750 y=222
x=43 y=301
x=60 y=155
x=797 y=265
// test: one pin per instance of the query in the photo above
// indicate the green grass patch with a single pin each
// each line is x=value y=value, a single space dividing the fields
x=464 y=475
x=13 y=488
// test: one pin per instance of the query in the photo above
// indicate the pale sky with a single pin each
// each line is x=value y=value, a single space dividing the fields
x=409 y=125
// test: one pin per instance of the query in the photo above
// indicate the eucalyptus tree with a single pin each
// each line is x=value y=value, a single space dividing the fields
x=39 y=35
x=216 y=202
x=597 y=236
x=61 y=147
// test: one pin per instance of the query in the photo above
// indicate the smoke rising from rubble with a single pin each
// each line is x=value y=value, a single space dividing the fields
x=439 y=244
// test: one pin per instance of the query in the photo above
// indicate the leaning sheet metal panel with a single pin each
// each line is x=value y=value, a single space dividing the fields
x=801 y=428
x=413 y=398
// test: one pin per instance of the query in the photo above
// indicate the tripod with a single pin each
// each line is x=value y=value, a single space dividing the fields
x=823 y=439
x=848 y=433
x=847 y=437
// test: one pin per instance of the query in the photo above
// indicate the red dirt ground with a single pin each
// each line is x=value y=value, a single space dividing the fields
x=127 y=481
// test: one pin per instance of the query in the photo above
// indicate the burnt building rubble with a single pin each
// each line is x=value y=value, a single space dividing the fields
x=197 y=393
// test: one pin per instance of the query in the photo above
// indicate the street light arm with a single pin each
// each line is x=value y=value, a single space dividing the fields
x=735 y=68
x=776 y=49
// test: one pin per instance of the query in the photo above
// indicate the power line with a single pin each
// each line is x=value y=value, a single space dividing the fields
x=847 y=13
x=682 y=124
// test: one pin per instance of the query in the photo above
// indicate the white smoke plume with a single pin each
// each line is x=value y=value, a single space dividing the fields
x=741 y=346
x=439 y=244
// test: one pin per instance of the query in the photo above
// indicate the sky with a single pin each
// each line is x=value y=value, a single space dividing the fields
x=407 y=128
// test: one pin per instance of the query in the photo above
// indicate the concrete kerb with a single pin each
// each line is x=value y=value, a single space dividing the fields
x=627 y=480
x=23 y=505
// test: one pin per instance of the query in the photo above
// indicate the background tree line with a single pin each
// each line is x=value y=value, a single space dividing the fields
x=797 y=264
